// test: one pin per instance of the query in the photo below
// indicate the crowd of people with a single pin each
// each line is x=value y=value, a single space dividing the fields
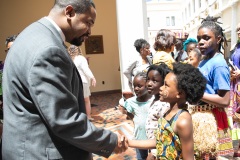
x=196 y=115
x=184 y=105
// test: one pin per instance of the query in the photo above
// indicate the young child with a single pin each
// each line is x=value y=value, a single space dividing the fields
x=194 y=57
x=136 y=107
x=174 y=136
x=155 y=79
x=189 y=45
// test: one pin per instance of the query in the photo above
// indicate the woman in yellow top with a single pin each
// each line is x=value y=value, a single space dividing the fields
x=164 y=45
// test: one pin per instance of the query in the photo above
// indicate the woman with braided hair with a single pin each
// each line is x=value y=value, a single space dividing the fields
x=211 y=131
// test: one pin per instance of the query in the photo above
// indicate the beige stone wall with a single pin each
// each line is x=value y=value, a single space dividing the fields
x=15 y=15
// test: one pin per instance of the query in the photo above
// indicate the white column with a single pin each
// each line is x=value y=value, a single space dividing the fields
x=220 y=4
x=197 y=7
x=132 y=24
x=234 y=24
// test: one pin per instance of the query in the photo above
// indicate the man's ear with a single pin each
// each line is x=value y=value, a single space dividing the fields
x=69 y=12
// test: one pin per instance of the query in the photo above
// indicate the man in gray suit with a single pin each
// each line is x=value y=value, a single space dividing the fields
x=44 y=110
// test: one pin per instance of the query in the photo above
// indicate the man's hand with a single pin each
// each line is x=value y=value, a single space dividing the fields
x=122 y=144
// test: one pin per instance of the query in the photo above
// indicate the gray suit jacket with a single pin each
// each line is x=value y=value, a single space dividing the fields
x=44 y=110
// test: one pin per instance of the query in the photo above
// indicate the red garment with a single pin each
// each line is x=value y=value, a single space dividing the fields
x=221 y=118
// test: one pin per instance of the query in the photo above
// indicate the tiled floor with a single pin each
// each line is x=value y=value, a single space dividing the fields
x=105 y=115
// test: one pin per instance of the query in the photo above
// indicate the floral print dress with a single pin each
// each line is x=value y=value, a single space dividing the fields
x=168 y=143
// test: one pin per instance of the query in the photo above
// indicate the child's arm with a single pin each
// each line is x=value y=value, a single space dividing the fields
x=124 y=111
x=142 y=144
x=184 y=129
x=221 y=99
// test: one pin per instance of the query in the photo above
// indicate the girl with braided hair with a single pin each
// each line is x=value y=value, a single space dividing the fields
x=211 y=131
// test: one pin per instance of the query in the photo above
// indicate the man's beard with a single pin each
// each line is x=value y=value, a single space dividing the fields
x=77 y=41
x=80 y=40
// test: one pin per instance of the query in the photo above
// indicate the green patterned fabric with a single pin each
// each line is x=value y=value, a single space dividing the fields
x=168 y=143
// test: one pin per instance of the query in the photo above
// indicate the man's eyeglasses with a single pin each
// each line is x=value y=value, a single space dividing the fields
x=6 y=50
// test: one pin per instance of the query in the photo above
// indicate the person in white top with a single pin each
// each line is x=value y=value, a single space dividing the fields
x=86 y=74
x=140 y=63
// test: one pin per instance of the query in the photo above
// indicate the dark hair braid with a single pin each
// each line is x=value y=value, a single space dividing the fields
x=212 y=23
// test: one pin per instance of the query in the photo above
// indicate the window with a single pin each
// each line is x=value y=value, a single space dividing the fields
x=186 y=14
x=199 y=3
x=189 y=10
x=173 y=21
x=170 y=21
x=148 y=21
x=167 y=21
x=193 y=2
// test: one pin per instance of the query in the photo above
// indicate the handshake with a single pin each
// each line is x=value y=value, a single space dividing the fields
x=122 y=144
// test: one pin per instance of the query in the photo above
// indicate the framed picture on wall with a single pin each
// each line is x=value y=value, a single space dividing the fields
x=94 y=44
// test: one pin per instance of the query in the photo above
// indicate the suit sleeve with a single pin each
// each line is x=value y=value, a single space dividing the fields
x=54 y=87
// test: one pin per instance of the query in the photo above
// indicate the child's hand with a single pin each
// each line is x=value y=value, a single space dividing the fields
x=156 y=117
x=122 y=109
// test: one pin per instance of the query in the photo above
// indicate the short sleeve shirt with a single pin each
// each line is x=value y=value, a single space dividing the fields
x=217 y=74
x=158 y=108
x=139 y=110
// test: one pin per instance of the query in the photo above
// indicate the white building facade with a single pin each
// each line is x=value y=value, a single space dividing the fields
x=164 y=14
x=194 y=10
x=180 y=16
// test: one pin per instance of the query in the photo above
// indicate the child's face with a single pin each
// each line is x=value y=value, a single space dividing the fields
x=154 y=82
x=192 y=59
x=190 y=47
x=169 y=92
x=139 y=86
x=208 y=43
